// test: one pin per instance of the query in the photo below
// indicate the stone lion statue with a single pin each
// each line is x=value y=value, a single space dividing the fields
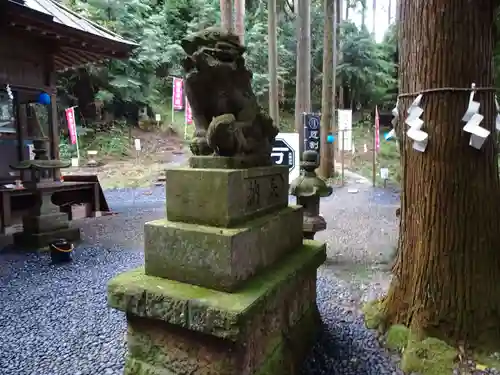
x=228 y=121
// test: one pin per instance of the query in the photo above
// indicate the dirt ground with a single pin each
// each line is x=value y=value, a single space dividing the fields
x=140 y=169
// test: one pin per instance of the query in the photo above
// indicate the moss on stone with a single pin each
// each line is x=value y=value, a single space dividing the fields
x=207 y=310
x=429 y=356
x=374 y=315
x=397 y=337
x=489 y=360
x=289 y=352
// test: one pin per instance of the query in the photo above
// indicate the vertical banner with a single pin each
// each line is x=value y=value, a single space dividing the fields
x=377 y=130
x=70 y=119
x=177 y=94
x=312 y=130
x=345 y=129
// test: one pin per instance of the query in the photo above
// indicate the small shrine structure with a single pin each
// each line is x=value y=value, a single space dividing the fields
x=37 y=39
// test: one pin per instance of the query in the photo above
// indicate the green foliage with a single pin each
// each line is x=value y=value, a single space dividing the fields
x=366 y=67
x=144 y=81
x=112 y=142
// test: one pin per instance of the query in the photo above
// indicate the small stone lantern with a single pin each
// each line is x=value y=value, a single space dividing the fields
x=308 y=188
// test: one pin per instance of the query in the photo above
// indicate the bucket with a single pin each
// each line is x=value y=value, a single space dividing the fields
x=75 y=162
x=60 y=251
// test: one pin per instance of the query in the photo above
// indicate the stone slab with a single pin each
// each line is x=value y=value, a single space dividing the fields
x=33 y=241
x=224 y=197
x=207 y=311
x=45 y=223
x=219 y=258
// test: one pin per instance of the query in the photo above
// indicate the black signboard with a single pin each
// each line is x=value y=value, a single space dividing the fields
x=283 y=153
x=312 y=123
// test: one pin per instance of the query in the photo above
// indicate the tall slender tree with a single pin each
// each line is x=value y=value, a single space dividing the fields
x=446 y=276
x=338 y=57
x=374 y=16
x=226 y=14
x=328 y=87
x=303 y=82
x=363 y=13
x=273 y=61
x=389 y=12
x=239 y=23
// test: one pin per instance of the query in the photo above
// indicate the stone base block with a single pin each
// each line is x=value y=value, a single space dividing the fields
x=45 y=223
x=264 y=329
x=219 y=258
x=224 y=197
x=32 y=241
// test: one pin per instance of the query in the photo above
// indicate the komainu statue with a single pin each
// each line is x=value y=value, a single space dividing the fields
x=228 y=121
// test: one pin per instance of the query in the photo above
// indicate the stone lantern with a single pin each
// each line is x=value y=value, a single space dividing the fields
x=308 y=188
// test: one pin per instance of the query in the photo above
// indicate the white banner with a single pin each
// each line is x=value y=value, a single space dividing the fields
x=344 y=121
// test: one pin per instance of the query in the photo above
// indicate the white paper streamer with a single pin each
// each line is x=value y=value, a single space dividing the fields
x=9 y=92
x=472 y=118
x=419 y=137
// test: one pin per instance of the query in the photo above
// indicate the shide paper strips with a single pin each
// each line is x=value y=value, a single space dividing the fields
x=415 y=133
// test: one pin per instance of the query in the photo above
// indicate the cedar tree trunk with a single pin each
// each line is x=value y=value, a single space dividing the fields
x=328 y=87
x=447 y=275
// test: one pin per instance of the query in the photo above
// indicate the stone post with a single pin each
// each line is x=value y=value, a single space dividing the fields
x=308 y=188
x=229 y=283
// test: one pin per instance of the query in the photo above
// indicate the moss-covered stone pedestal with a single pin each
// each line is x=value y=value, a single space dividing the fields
x=229 y=283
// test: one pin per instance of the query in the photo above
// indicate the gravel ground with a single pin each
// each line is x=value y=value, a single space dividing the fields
x=54 y=319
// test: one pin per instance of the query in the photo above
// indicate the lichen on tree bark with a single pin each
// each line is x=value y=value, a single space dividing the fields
x=447 y=274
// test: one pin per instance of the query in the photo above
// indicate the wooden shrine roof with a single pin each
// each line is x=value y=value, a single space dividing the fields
x=78 y=40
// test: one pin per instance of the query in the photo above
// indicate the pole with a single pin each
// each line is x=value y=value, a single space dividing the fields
x=273 y=62
x=185 y=118
x=342 y=154
x=374 y=157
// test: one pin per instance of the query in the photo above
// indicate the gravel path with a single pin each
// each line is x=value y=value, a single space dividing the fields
x=54 y=319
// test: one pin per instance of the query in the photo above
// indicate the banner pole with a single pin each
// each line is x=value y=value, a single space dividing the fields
x=173 y=99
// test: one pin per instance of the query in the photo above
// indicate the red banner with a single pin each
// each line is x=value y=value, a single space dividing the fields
x=177 y=94
x=377 y=130
x=70 y=118
x=188 y=114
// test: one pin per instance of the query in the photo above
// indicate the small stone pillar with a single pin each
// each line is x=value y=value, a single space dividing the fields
x=229 y=283
x=308 y=188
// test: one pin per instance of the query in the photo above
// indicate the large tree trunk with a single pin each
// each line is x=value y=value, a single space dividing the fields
x=447 y=274
x=226 y=14
x=273 y=61
x=303 y=82
x=328 y=88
